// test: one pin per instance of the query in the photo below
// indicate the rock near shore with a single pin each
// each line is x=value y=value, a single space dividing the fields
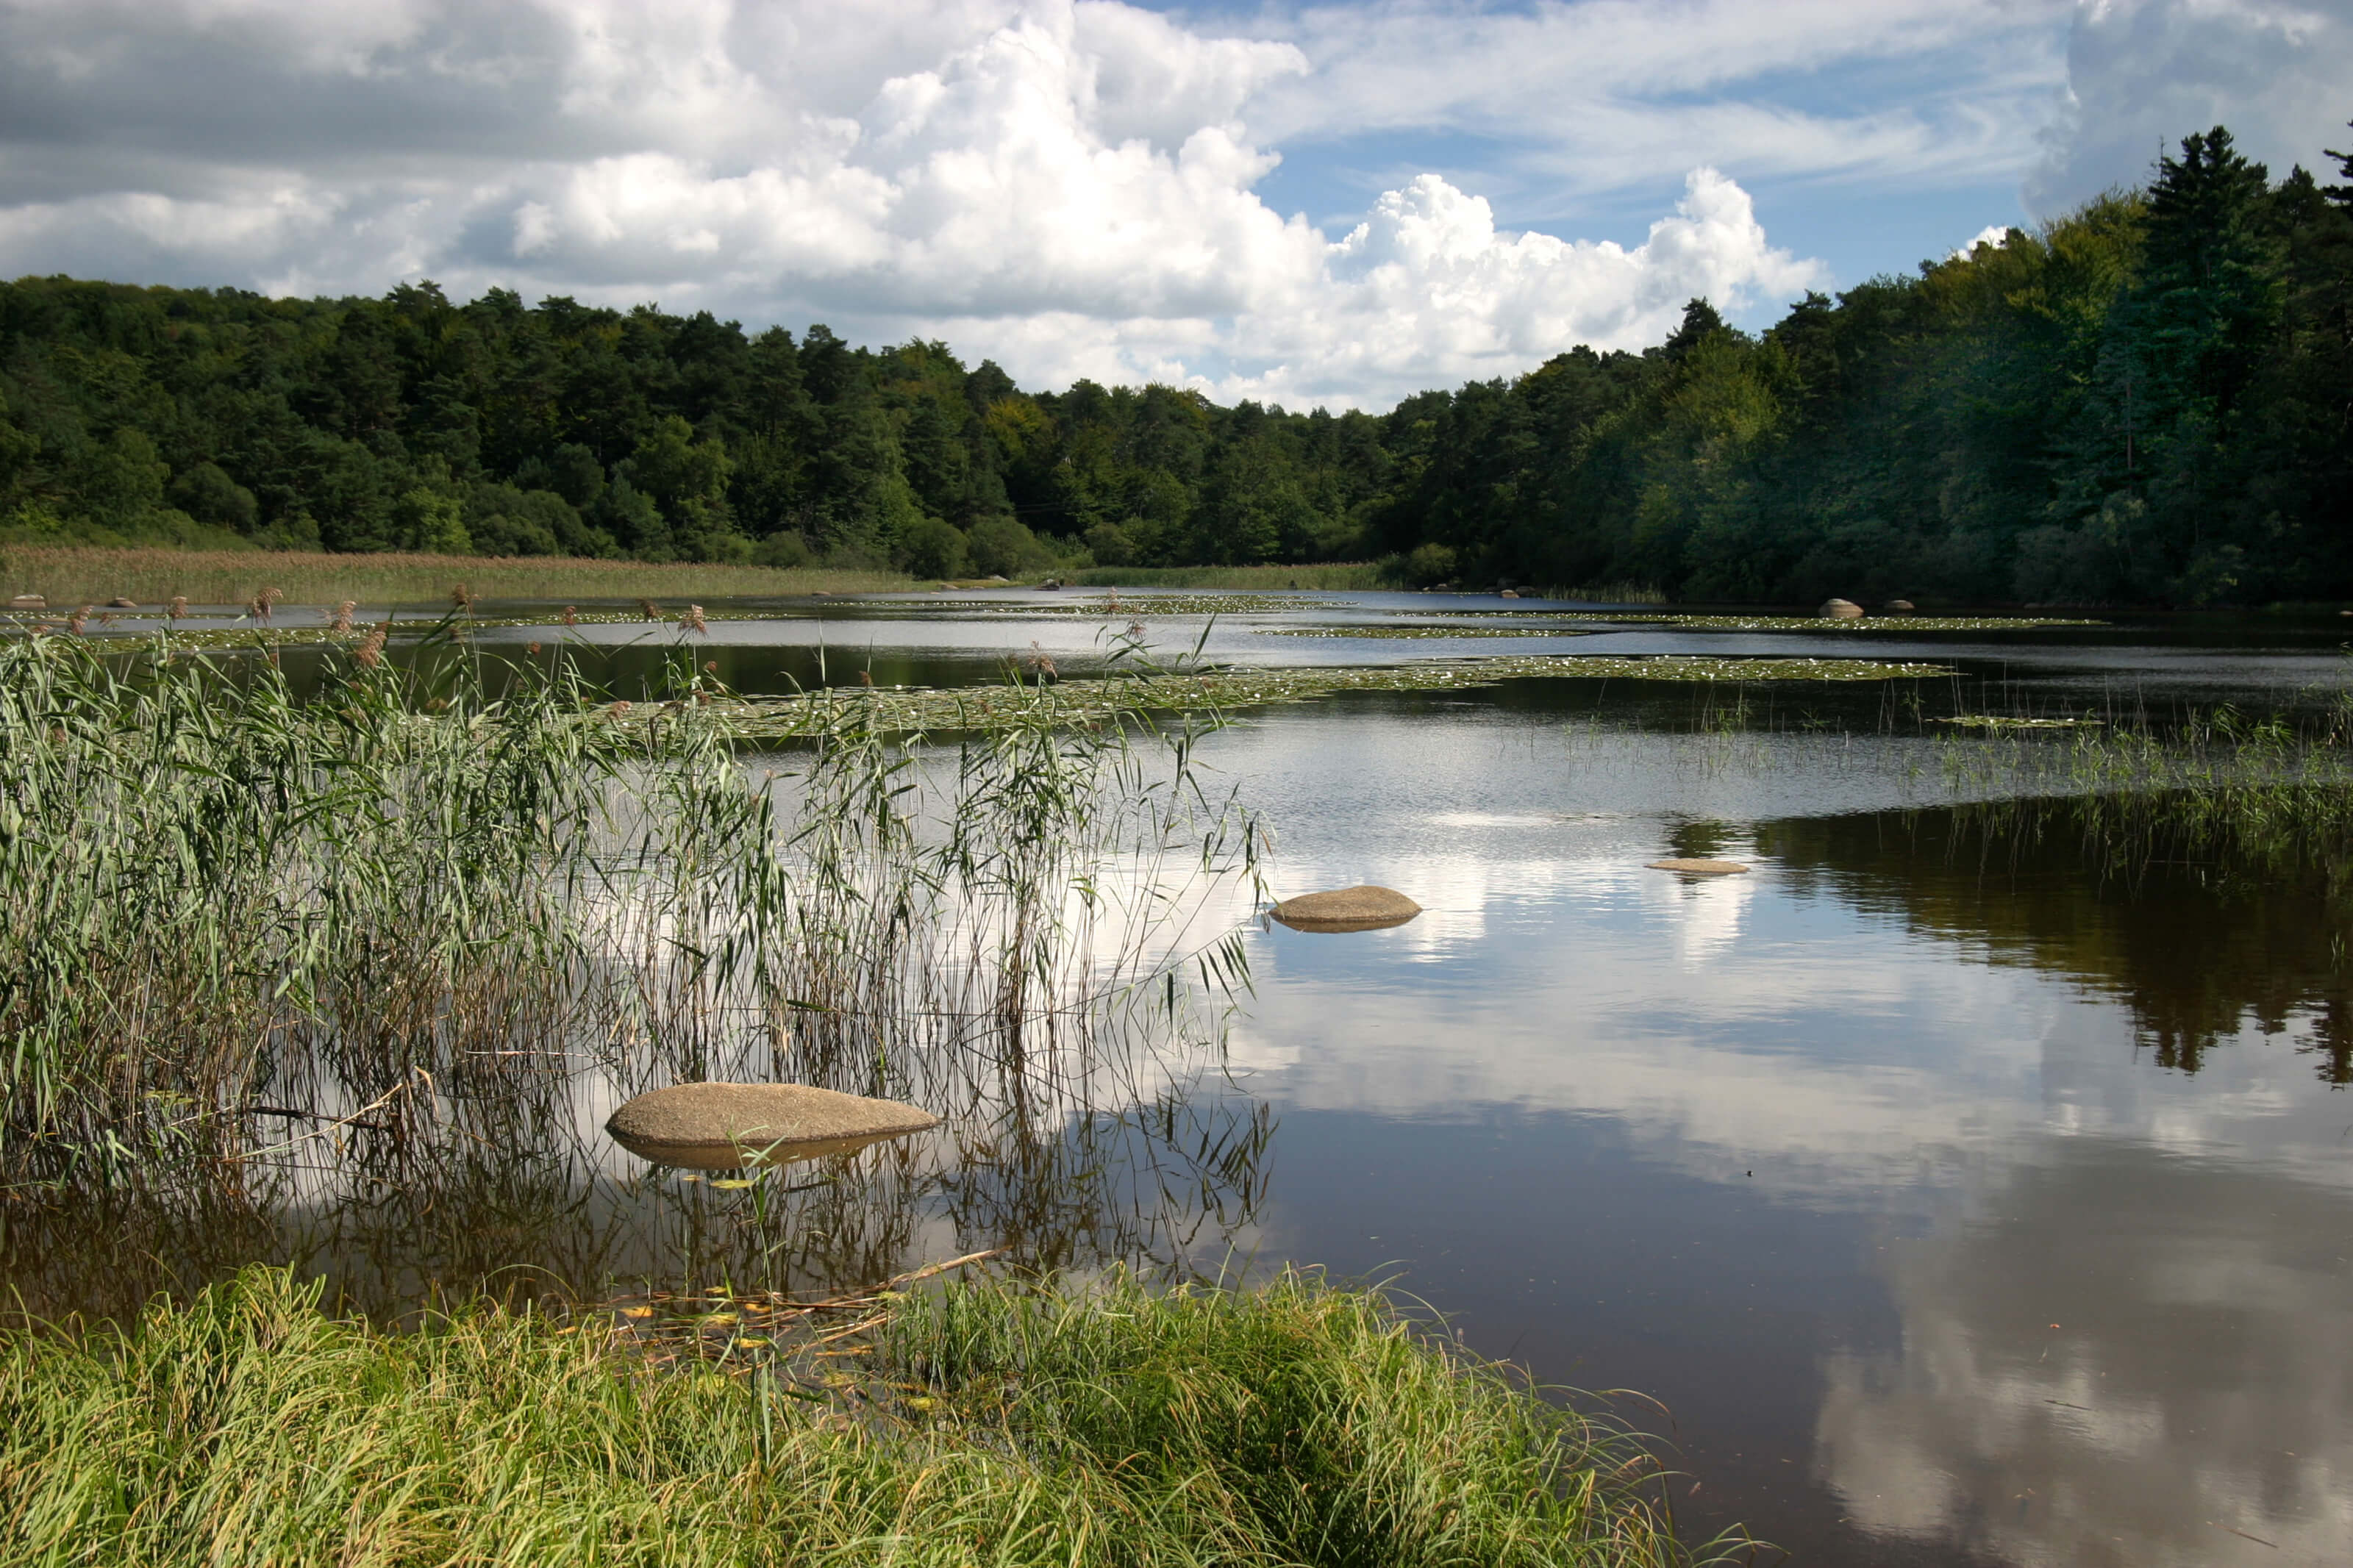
x=1348 y=909
x=722 y=1126
x=1699 y=867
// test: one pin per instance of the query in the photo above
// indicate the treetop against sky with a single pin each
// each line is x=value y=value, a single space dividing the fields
x=1305 y=204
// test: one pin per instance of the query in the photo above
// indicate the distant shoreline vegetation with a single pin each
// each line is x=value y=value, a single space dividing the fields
x=2141 y=403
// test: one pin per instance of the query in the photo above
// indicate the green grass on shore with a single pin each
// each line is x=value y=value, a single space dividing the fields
x=988 y=1423
x=72 y=576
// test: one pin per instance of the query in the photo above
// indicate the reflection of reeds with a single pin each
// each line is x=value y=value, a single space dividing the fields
x=987 y=1422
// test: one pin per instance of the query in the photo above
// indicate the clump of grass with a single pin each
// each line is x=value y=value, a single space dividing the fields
x=1295 y=1425
x=69 y=574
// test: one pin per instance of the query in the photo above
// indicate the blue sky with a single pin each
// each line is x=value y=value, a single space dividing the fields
x=1306 y=202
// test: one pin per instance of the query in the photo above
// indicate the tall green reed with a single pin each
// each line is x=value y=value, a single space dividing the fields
x=224 y=903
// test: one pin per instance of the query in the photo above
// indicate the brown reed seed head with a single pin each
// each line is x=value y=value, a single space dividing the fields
x=79 y=619
x=534 y=650
x=692 y=621
x=265 y=601
x=371 y=652
x=461 y=598
x=179 y=606
x=343 y=622
x=710 y=667
x=571 y=615
x=620 y=709
x=649 y=609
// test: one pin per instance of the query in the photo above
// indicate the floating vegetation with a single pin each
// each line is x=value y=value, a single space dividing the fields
x=1092 y=702
x=1997 y=721
x=1790 y=623
x=1394 y=633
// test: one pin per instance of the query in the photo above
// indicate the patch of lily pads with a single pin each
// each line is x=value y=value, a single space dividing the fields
x=1996 y=721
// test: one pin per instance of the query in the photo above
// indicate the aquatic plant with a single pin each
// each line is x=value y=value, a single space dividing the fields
x=991 y=1422
x=216 y=898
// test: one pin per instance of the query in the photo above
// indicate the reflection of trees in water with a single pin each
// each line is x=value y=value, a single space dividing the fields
x=2195 y=939
x=2195 y=1384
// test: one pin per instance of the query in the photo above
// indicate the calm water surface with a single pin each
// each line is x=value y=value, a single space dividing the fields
x=1959 y=1205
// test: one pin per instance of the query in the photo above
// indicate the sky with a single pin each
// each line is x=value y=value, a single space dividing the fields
x=1305 y=204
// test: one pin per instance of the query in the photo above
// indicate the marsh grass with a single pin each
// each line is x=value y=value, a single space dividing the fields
x=72 y=575
x=405 y=893
x=2213 y=785
x=989 y=1422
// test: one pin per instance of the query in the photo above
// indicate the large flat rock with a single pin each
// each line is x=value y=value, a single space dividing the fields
x=1348 y=909
x=721 y=1126
x=1699 y=867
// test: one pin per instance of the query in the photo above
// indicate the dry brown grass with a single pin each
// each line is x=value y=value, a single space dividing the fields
x=72 y=575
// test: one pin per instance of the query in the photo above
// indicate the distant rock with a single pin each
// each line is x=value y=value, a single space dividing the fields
x=723 y=1126
x=996 y=579
x=1898 y=606
x=28 y=602
x=1348 y=909
x=120 y=603
x=1506 y=593
x=1700 y=868
x=1842 y=610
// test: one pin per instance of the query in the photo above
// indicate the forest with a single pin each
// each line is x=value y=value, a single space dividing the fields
x=2148 y=401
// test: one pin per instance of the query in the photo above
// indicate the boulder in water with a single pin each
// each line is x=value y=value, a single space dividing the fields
x=723 y=1126
x=1842 y=610
x=122 y=603
x=1898 y=606
x=1699 y=867
x=28 y=602
x=1348 y=909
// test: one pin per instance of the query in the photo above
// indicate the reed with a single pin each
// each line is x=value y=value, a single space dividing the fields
x=1293 y=1424
x=72 y=576
x=215 y=896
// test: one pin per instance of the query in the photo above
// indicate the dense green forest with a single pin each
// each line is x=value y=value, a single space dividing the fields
x=2148 y=401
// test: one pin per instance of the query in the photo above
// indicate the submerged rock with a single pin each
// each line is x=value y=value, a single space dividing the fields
x=1841 y=609
x=1699 y=867
x=1898 y=606
x=1348 y=909
x=722 y=1126
x=28 y=602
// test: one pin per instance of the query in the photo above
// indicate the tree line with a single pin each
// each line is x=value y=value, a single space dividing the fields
x=2148 y=401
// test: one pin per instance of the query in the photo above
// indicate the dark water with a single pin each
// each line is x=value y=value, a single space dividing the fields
x=1959 y=1197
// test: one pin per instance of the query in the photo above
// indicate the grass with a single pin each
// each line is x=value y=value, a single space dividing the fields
x=214 y=893
x=69 y=576
x=1079 y=703
x=990 y=1422
x=1328 y=577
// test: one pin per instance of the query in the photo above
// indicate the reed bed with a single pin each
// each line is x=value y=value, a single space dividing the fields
x=987 y=1422
x=216 y=900
x=72 y=575
x=2213 y=786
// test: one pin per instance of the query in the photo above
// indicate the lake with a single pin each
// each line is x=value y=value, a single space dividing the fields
x=1946 y=1192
